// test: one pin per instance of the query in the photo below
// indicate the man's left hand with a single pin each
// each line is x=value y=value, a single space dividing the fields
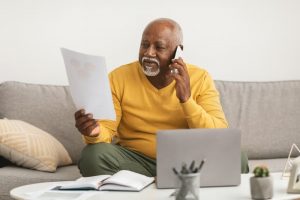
x=182 y=78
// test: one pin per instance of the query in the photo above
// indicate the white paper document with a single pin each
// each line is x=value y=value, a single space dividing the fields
x=89 y=84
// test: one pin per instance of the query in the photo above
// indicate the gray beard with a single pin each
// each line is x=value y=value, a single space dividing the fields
x=148 y=71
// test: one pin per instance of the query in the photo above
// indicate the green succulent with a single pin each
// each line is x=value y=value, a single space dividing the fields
x=261 y=171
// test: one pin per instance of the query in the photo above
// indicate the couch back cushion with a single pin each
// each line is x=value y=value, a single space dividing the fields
x=268 y=113
x=47 y=107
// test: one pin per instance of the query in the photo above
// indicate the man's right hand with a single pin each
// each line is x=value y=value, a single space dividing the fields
x=86 y=124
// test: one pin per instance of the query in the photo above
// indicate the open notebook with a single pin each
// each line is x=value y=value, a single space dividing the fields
x=123 y=180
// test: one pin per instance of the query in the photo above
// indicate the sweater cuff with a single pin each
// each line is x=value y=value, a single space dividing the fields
x=190 y=108
x=92 y=140
x=103 y=136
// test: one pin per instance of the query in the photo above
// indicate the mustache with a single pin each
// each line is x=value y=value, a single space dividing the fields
x=149 y=59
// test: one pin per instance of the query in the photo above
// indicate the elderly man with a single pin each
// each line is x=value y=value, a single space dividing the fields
x=148 y=97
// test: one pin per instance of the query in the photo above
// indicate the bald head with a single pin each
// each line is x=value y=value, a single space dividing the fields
x=166 y=23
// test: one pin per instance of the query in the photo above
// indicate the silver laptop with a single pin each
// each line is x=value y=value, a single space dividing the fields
x=220 y=147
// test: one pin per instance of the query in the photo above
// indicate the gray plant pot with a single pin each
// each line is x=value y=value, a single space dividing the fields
x=261 y=187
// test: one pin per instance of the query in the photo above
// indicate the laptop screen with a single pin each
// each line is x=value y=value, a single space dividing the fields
x=221 y=148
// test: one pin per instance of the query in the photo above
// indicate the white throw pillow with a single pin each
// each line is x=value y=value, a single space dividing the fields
x=30 y=147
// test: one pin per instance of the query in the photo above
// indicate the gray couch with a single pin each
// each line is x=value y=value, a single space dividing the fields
x=268 y=113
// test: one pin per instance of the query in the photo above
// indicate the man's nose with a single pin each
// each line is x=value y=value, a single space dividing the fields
x=150 y=52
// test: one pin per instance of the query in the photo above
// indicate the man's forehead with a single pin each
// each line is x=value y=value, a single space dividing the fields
x=158 y=41
x=158 y=28
x=159 y=35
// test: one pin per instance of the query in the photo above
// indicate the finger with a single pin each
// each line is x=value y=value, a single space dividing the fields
x=83 y=128
x=178 y=67
x=181 y=63
x=90 y=129
x=79 y=113
x=176 y=59
x=87 y=124
x=178 y=78
x=83 y=119
x=87 y=131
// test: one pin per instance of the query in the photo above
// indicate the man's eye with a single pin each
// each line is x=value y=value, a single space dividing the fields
x=144 y=45
x=160 y=47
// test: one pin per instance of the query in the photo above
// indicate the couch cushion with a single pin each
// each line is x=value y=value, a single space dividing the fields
x=16 y=176
x=31 y=147
x=47 y=107
x=268 y=113
x=3 y=161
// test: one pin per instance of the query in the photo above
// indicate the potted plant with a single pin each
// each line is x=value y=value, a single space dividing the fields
x=261 y=184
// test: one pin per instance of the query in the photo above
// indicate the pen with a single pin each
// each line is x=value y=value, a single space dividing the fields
x=175 y=171
x=191 y=168
x=201 y=164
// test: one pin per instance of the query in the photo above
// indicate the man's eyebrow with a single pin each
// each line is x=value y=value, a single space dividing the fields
x=160 y=42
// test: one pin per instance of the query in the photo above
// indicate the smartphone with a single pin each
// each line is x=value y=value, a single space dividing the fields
x=178 y=53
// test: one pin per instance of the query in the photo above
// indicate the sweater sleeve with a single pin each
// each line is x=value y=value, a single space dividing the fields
x=204 y=110
x=108 y=128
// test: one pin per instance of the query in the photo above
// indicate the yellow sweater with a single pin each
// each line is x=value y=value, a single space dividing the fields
x=142 y=109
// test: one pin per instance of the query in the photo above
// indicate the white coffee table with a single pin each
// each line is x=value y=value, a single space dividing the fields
x=241 y=192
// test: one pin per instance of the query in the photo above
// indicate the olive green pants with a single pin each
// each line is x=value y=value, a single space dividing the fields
x=104 y=158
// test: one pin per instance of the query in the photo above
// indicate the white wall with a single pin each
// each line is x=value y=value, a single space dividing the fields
x=253 y=40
